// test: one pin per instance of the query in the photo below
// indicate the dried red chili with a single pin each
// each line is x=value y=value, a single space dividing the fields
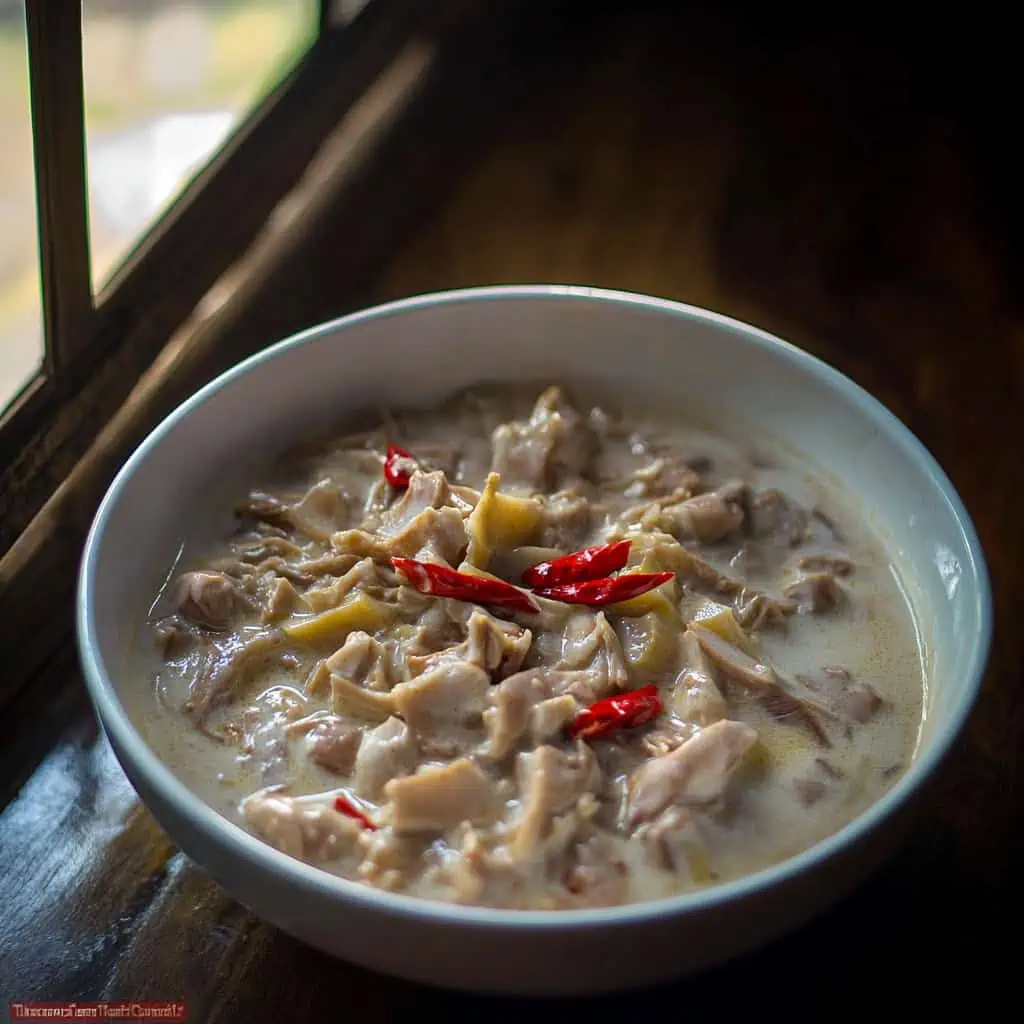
x=343 y=805
x=607 y=591
x=399 y=466
x=588 y=564
x=441 y=581
x=624 y=711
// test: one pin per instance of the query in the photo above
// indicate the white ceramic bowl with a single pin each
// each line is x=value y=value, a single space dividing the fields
x=418 y=351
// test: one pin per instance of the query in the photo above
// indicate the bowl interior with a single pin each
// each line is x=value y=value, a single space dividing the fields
x=644 y=351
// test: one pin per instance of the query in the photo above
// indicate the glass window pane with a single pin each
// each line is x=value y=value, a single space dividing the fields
x=21 y=335
x=165 y=83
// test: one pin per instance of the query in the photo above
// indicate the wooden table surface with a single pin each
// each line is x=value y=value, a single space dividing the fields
x=813 y=189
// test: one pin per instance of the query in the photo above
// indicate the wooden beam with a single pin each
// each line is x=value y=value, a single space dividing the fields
x=58 y=125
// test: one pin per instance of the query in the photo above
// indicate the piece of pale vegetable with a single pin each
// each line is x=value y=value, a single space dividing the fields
x=721 y=620
x=359 y=612
x=650 y=640
x=662 y=599
x=500 y=521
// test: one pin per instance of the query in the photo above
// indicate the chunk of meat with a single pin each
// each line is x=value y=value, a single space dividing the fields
x=556 y=443
x=849 y=699
x=283 y=600
x=435 y=535
x=496 y=646
x=831 y=561
x=551 y=781
x=755 y=610
x=521 y=456
x=648 y=515
x=333 y=744
x=774 y=516
x=664 y=478
x=696 y=697
x=508 y=717
x=332 y=564
x=423 y=524
x=550 y=717
x=694 y=775
x=707 y=518
x=210 y=599
x=435 y=799
x=318 y=513
x=385 y=753
x=694 y=570
x=592 y=646
x=425 y=490
x=248 y=574
x=814 y=592
x=450 y=696
x=576 y=441
x=310 y=830
x=364 y=661
x=322 y=510
x=175 y=634
x=733 y=662
x=264 y=508
x=330 y=595
x=256 y=549
x=860 y=702
x=228 y=665
x=565 y=521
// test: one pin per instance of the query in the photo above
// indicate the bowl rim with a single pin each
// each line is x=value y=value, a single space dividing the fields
x=185 y=804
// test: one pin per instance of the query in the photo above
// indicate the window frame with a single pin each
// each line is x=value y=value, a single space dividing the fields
x=98 y=344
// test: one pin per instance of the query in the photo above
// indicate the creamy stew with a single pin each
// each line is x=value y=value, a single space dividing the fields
x=401 y=669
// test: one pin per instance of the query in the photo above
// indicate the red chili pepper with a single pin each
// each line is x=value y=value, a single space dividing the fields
x=621 y=712
x=398 y=466
x=607 y=591
x=588 y=564
x=343 y=805
x=439 y=580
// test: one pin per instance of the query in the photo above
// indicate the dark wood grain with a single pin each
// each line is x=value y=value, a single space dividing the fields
x=814 y=187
